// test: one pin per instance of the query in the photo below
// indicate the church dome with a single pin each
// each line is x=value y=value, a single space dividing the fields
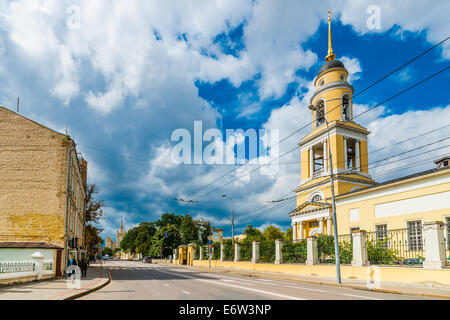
x=330 y=65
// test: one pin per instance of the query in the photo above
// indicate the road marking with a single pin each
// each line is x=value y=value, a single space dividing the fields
x=357 y=296
x=240 y=287
x=167 y=285
x=186 y=292
x=303 y=288
x=266 y=280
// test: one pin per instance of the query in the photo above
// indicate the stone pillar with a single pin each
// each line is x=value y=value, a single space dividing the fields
x=329 y=226
x=201 y=253
x=278 y=253
x=211 y=252
x=345 y=154
x=294 y=231
x=433 y=233
x=357 y=155
x=300 y=231
x=325 y=157
x=321 y=225
x=237 y=252
x=359 y=249
x=312 y=253
x=38 y=259
x=311 y=163
x=175 y=254
x=222 y=252
x=255 y=252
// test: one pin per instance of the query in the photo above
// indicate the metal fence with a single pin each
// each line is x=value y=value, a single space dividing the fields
x=447 y=242
x=246 y=251
x=48 y=265
x=228 y=252
x=294 y=252
x=325 y=246
x=10 y=267
x=396 y=247
x=267 y=251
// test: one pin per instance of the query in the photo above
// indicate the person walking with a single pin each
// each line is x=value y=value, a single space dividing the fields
x=83 y=266
x=72 y=262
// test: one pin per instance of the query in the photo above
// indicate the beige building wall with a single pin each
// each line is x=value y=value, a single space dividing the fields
x=34 y=183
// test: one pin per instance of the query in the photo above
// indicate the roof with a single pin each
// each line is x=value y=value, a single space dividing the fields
x=411 y=176
x=37 y=245
x=330 y=65
x=442 y=159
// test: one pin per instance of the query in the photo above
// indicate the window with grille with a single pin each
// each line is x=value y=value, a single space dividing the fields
x=447 y=227
x=415 y=238
x=320 y=113
x=314 y=224
x=316 y=198
x=381 y=235
x=346 y=107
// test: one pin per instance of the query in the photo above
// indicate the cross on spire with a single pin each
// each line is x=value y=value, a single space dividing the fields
x=330 y=56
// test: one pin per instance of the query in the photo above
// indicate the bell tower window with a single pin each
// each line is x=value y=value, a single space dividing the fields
x=320 y=113
x=346 y=107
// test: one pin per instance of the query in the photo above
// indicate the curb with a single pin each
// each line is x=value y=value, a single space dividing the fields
x=333 y=284
x=81 y=294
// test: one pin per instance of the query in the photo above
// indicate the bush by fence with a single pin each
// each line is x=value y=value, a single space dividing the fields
x=294 y=252
x=267 y=251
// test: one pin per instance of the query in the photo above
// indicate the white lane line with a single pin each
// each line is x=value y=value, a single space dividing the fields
x=361 y=297
x=308 y=289
x=266 y=280
x=186 y=292
x=239 y=287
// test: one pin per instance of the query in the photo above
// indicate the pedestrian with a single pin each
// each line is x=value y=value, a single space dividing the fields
x=72 y=262
x=83 y=266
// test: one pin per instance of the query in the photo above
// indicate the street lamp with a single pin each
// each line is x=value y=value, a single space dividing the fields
x=232 y=218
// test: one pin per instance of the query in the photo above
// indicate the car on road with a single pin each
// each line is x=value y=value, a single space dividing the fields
x=147 y=260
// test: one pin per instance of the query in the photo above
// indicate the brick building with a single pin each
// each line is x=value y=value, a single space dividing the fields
x=42 y=186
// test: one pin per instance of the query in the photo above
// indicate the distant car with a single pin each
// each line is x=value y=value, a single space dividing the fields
x=147 y=260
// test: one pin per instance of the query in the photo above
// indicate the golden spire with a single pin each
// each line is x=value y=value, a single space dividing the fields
x=330 y=56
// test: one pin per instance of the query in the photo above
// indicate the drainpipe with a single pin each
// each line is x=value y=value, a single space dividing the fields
x=69 y=181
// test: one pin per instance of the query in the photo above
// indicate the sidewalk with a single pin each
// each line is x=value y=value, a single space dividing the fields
x=425 y=289
x=97 y=277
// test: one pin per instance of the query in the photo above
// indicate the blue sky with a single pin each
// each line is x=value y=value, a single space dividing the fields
x=122 y=77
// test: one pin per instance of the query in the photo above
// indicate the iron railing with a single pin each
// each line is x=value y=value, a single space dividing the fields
x=447 y=242
x=325 y=246
x=246 y=251
x=267 y=251
x=48 y=265
x=10 y=267
x=294 y=251
x=396 y=247
x=228 y=251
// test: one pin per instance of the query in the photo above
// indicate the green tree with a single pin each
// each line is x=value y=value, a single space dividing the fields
x=169 y=219
x=128 y=240
x=93 y=215
x=288 y=234
x=189 y=230
x=107 y=251
x=205 y=233
x=252 y=234
x=92 y=238
x=164 y=241
x=144 y=234
x=273 y=233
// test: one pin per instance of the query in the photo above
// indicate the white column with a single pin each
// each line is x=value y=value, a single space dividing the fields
x=38 y=259
x=329 y=226
x=325 y=156
x=321 y=225
x=222 y=252
x=311 y=162
x=311 y=251
x=294 y=231
x=345 y=153
x=237 y=252
x=300 y=230
x=433 y=233
x=359 y=249
x=357 y=155
x=255 y=252
x=201 y=253
x=278 y=255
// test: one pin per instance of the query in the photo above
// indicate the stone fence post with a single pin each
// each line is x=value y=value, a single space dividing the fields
x=312 y=253
x=435 y=256
x=359 y=249
x=222 y=252
x=237 y=252
x=278 y=254
x=211 y=253
x=255 y=252
x=38 y=259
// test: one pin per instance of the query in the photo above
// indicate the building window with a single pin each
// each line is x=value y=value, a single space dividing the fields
x=320 y=113
x=342 y=77
x=354 y=229
x=321 y=82
x=314 y=224
x=316 y=198
x=415 y=239
x=318 y=158
x=351 y=160
x=381 y=235
x=447 y=236
x=346 y=107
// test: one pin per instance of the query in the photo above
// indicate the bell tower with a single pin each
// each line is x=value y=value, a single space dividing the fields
x=335 y=132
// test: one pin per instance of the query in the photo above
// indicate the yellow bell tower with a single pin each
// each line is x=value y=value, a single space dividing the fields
x=333 y=130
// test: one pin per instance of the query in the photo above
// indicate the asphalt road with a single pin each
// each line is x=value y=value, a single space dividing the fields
x=140 y=281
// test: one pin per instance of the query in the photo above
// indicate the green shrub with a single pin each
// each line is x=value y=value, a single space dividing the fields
x=378 y=253
x=294 y=252
x=246 y=251
x=267 y=251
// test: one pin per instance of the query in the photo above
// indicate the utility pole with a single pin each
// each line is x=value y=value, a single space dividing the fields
x=18 y=102
x=232 y=218
x=336 y=244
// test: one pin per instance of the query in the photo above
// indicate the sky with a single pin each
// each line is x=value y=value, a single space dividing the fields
x=122 y=76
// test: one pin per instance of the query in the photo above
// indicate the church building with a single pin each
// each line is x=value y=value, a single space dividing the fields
x=337 y=147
